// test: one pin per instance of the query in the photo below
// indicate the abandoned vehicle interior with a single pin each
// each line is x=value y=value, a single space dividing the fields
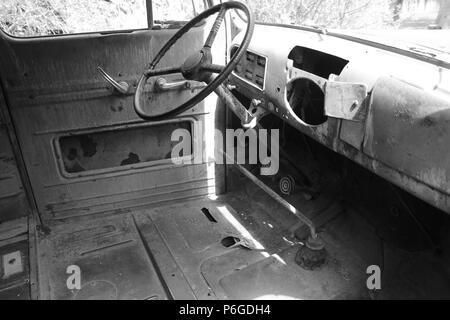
x=351 y=138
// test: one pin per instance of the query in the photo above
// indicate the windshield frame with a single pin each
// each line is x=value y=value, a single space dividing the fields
x=403 y=50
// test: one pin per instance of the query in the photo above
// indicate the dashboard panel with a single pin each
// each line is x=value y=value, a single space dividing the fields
x=251 y=68
x=300 y=64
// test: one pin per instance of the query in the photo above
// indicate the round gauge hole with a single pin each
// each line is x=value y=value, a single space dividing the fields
x=307 y=101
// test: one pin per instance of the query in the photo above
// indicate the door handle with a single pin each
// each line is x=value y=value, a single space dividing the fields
x=163 y=85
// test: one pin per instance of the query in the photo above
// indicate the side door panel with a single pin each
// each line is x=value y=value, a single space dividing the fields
x=85 y=149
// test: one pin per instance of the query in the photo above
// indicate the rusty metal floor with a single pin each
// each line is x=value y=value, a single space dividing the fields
x=189 y=251
x=186 y=251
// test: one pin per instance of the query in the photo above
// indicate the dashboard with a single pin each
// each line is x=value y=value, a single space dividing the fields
x=399 y=129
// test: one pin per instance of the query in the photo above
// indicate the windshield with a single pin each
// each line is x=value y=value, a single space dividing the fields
x=424 y=24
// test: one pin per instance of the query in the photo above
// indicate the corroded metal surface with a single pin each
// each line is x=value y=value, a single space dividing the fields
x=418 y=164
x=409 y=129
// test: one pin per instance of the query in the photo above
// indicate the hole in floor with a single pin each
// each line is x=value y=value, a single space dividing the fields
x=230 y=241
x=208 y=214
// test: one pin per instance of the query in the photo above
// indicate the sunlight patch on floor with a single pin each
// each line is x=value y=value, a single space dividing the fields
x=245 y=233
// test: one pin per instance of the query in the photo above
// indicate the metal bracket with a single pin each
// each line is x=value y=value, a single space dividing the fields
x=248 y=120
x=344 y=100
x=257 y=111
x=12 y=264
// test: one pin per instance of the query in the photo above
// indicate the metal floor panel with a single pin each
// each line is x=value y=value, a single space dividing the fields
x=172 y=252
x=195 y=242
x=113 y=261
x=178 y=252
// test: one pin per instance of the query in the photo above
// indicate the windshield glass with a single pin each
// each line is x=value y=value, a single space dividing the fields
x=424 y=23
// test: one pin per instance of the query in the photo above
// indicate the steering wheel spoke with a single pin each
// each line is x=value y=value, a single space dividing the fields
x=213 y=68
x=198 y=66
x=161 y=72
x=215 y=28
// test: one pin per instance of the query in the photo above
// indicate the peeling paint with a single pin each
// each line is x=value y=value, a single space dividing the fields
x=132 y=159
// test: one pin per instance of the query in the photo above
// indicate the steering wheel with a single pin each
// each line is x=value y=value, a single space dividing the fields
x=199 y=66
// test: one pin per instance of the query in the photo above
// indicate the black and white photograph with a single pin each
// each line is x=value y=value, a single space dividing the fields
x=223 y=156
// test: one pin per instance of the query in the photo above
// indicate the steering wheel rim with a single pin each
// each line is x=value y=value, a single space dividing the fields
x=203 y=70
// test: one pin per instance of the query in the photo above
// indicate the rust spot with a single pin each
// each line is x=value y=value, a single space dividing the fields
x=118 y=108
x=7 y=159
x=132 y=159
x=403 y=114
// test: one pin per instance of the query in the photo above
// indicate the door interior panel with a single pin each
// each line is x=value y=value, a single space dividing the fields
x=86 y=151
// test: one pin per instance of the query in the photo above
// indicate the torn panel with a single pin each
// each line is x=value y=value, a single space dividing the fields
x=102 y=150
